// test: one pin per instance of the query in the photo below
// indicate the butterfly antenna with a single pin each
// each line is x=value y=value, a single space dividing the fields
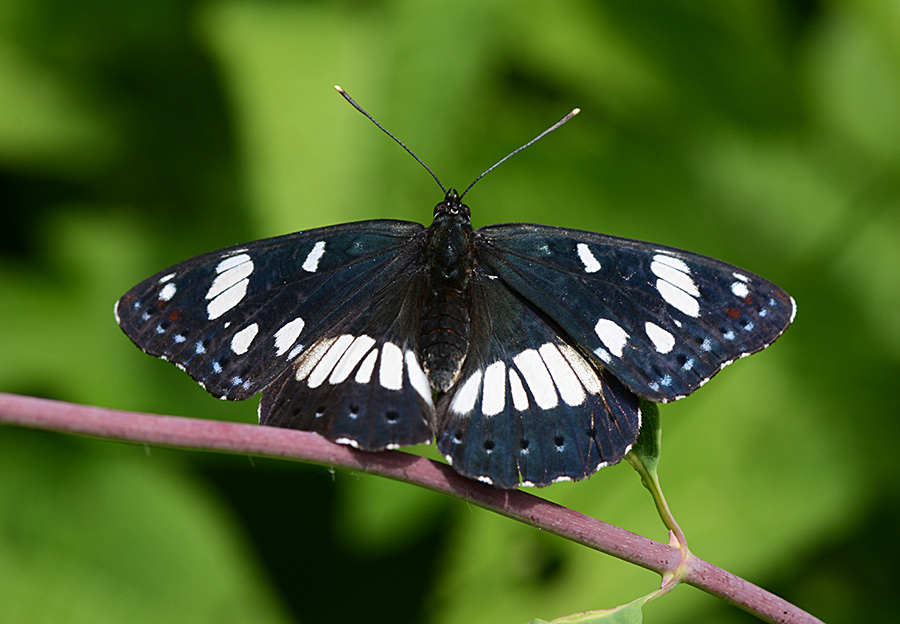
x=353 y=103
x=571 y=114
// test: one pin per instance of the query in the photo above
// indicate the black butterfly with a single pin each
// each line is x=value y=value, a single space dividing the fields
x=521 y=348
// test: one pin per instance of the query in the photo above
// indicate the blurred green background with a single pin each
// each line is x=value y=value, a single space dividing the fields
x=136 y=134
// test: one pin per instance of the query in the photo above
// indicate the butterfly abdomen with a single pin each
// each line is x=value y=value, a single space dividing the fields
x=444 y=322
x=444 y=331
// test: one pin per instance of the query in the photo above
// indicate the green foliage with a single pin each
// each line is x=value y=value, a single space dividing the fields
x=95 y=533
x=134 y=135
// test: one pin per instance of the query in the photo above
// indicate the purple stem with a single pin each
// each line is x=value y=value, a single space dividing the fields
x=213 y=435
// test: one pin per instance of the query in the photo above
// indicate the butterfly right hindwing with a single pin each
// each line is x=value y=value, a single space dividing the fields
x=529 y=408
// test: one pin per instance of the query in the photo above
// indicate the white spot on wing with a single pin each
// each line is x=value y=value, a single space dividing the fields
x=674 y=276
x=675 y=284
x=350 y=358
x=673 y=262
x=287 y=335
x=312 y=260
x=586 y=374
x=678 y=298
x=740 y=289
x=329 y=360
x=493 y=398
x=519 y=396
x=166 y=278
x=591 y=265
x=464 y=401
x=417 y=378
x=168 y=291
x=661 y=339
x=537 y=377
x=390 y=373
x=612 y=336
x=364 y=374
x=230 y=271
x=312 y=358
x=603 y=354
x=230 y=285
x=232 y=261
x=227 y=300
x=563 y=376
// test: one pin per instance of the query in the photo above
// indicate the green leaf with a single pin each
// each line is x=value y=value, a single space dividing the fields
x=649 y=442
x=629 y=613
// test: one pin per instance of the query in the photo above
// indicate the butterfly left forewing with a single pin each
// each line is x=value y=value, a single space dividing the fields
x=662 y=320
x=528 y=407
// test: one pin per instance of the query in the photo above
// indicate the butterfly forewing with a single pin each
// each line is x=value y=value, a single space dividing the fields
x=528 y=407
x=234 y=319
x=662 y=320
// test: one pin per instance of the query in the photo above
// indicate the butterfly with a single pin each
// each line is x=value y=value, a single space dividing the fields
x=523 y=350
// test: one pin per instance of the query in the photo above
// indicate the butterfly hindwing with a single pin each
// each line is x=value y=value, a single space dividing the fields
x=361 y=383
x=528 y=407
x=662 y=320
x=234 y=319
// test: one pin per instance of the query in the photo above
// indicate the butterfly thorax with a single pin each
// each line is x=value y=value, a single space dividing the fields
x=449 y=261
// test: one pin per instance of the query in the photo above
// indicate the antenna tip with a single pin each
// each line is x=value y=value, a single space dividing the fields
x=338 y=89
x=574 y=112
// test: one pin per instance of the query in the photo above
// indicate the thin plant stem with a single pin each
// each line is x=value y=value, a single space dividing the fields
x=227 y=437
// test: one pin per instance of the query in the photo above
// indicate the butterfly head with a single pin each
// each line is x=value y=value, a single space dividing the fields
x=452 y=208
